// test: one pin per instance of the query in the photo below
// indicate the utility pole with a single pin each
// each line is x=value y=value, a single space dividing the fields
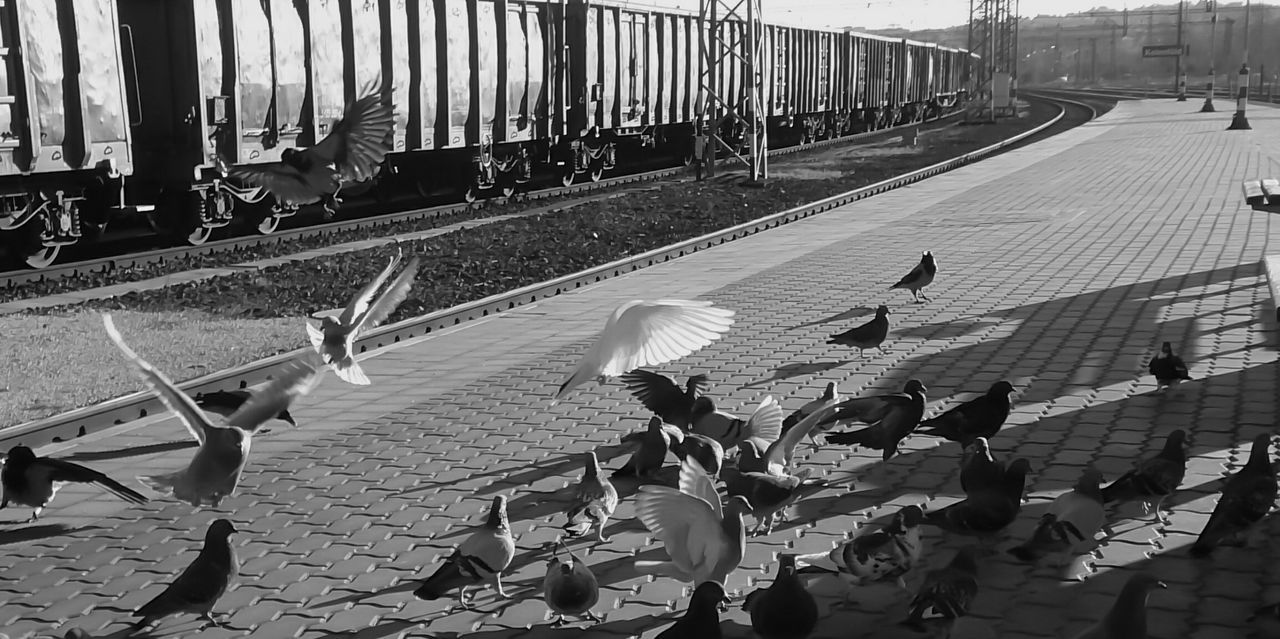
x=719 y=48
x=1079 y=58
x=1180 y=78
x=1211 y=5
x=1093 y=60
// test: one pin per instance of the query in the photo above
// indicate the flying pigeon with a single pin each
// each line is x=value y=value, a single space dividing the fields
x=892 y=418
x=1153 y=479
x=663 y=396
x=481 y=558
x=203 y=582
x=214 y=472
x=768 y=494
x=784 y=610
x=1168 y=369
x=705 y=541
x=352 y=152
x=1245 y=501
x=830 y=396
x=593 y=502
x=1127 y=618
x=32 y=481
x=869 y=335
x=226 y=403
x=569 y=588
x=1072 y=521
x=979 y=417
x=335 y=338
x=919 y=277
x=640 y=334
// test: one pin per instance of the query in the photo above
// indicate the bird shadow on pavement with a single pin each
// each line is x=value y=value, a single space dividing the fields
x=857 y=311
x=634 y=626
x=949 y=330
x=133 y=451
x=408 y=584
x=39 y=531
x=797 y=369
x=543 y=469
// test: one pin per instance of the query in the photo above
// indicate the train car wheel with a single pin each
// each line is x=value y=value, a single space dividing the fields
x=199 y=235
x=566 y=178
x=470 y=195
x=597 y=172
x=42 y=256
x=508 y=189
x=268 y=225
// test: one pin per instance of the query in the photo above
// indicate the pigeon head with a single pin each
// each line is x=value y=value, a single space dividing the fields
x=914 y=386
x=220 y=529
x=981 y=446
x=707 y=595
x=1166 y=349
x=591 y=463
x=786 y=565
x=20 y=455
x=498 y=513
x=910 y=516
x=1176 y=443
x=830 y=392
x=882 y=310
x=1000 y=388
x=1090 y=482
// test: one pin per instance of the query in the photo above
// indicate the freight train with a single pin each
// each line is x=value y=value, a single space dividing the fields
x=112 y=108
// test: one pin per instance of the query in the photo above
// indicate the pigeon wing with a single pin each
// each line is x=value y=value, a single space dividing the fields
x=686 y=525
x=658 y=393
x=695 y=482
x=61 y=470
x=653 y=333
x=298 y=378
x=286 y=183
x=196 y=421
x=359 y=304
x=395 y=295
x=359 y=141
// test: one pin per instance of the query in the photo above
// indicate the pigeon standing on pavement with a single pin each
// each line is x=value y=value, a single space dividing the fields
x=640 y=334
x=569 y=588
x=919 y=277
x=830 y=396
x=28 y=480
x=594 y=501
x=648 y=458
x=702 y=619
x=335 y=338
x=869 y=335
x=947 y=592
x=1071 y=522
x=663 y=396
x=1167 y=368
x=352 y=152
x=768 y=494
x=704 y=540
x=884 y=555
x=203 y=582
x=979 y=417
x=481 y=558
x=892 y=418
x=1245 y=501
x=784 y=610
x=985 y=512
x=1127 y=618
x=1152 y=480
x=979 y=468
x=214 y=472
x=706 y=451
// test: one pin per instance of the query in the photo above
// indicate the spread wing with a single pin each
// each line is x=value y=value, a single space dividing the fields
x=359 y=141
x=867 y=410
x=286 y=183
x=686 y=525
x=359 y=304
x=781 y=451
x=395 y=294
x=661 y=394
x=695 y=482
x=297 y=379
x=652 y=333
x=60 y=470
x=196 y=421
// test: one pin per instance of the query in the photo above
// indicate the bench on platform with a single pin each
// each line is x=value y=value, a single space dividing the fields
x=1264 y=195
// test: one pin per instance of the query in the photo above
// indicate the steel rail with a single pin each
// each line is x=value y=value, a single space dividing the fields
x=90 y=419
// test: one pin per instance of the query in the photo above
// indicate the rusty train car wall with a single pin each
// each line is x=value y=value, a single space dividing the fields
x=121 y=107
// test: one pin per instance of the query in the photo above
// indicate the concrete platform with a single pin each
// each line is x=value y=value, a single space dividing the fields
x=1063 y=266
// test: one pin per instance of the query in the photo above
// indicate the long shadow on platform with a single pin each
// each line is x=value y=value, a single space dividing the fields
x=857 y=311
x=39 y=531
x=796 y=369
x=133 y=451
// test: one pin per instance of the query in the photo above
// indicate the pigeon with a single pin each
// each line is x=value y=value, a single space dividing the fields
x=887 y=554
x=705 y=541
x=1152 y=479
x=76 y=633
x=756 y=454
x=647 y=459
x=784 y=610
x=593 y=502
x=569 y=588
x=32 y=481
x=988 y=511
x=979 y=468
x=948 y=591
x=480 y=558
x=351 y=152
x=702 y=619
x=661 y=395
x=203 y=582
x=768 y=494
x=226 y=403
x=869 y=335
x=706 y=451
x=1167 y=368
x=765 y=423
x=919 y=277
x=1245 y=501
x=641 y=333
x=1072 y=521
x=892 y=418
x=335 y=338
x=830 y=396
x=214 y=472
x=979 y=417
x=1127 y=618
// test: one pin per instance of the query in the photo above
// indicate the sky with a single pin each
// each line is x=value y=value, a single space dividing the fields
x=907 y=14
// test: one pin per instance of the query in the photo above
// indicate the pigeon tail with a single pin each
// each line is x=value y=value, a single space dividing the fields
x=862 y=437
x=351 y=373
x=316 y=335
x=663 y=569
x=448 y=577
x=120 y=490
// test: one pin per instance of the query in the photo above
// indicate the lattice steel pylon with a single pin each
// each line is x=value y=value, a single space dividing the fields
x=731 y=86
x=993 y=34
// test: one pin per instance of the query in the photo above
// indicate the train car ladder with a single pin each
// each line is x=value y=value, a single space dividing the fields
x=719 y=49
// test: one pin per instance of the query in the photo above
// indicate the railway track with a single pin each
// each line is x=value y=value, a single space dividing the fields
x=91 y=419
x=110 y=262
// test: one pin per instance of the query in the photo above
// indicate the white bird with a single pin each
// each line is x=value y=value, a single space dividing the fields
x=335 y=338
x=641 y=334
x=763 y=427
x=215 y=470
x=756 y=454
x=705 y=541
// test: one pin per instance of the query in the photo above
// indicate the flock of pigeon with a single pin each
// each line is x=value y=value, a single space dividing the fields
x=702 y=532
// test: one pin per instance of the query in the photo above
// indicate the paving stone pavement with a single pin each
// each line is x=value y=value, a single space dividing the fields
x=1063 y=266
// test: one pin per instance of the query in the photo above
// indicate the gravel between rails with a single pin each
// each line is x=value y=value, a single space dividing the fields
x=60 y=358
